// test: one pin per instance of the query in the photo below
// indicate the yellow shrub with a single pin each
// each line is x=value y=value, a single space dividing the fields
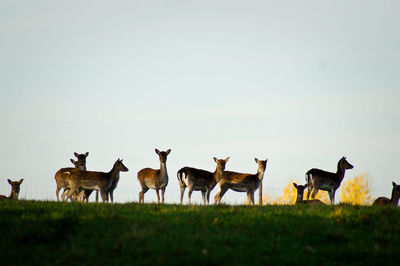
x=356 y=190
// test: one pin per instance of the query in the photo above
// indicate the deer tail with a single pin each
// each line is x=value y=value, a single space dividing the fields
x=180 y=176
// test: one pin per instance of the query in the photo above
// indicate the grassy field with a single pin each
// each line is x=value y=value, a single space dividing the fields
x=39 y=233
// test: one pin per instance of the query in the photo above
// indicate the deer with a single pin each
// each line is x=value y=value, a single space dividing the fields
x=62 y=175
x=154 y=178
x=15 y=187
x=300 y=192
x=394 y=200
x=200 y=180
x=240 y=182
x=79 y=179
x=318 y=179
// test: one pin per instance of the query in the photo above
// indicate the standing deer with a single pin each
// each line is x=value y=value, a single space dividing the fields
x=15 y=186
x=79 y=179
x=300 y=192
x=319 y=179
x=62 y=175
x=198 y=179
x=154 y=179
x=241 y=182
x=394 y=200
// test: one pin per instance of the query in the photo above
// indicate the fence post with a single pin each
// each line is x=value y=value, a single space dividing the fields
x=260 y=194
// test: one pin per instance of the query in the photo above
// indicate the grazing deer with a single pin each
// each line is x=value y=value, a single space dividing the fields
x=102 y=181
x=197 y=179
x=241 y=182
x=62 y=175
x=319 y=179
x=392 y=201
x=154 y=179
x=300 y=192
x=15 y=186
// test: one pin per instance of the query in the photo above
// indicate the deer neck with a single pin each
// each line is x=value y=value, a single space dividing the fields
x=114 y=174
x=340 y=173
x=260 y=173
x=395 y=198
x=299 y=198
x=13 y=195
x=217 y=175
x=163 y=170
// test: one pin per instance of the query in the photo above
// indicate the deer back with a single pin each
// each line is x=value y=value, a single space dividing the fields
x=196 y=178
x=382 y=201
x=239 y=182
x=151 y=178
x=322 y=179
x=90 y=179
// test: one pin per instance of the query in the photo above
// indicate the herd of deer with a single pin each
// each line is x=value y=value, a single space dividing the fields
x=78 y=183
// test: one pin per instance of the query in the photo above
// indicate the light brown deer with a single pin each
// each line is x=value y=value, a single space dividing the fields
x=300 y=192
x=241 y=182
x=154 y=179
x=394 y=200
x=62 y=175
x=318 y=179
x=15 y=187
x=198 y=179
x=102 y=181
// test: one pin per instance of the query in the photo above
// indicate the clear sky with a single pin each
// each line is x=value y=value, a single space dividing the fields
x=301 y=83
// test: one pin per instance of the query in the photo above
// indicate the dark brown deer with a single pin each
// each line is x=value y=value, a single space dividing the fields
x=241 y=182
x=62 y=175
x=318 y=179
x=300 y=192
x=198 y=179
x=154 y=178
x=15 y=187
x=102 y=181
x=394 y=200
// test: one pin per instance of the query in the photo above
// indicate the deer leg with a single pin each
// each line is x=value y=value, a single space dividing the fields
x=57 y=191
x=158 y=195
x=332 y=196
x=71 y=192
x=208 y=196
x=218 y=197
x=104 y=195
x=182 y=192
x=64 y=194
x=252 y=197
x=141 y=194
x=112 y=196
x=87 y=193
x=190 y=195
x=309 y=189
x=314 y=192
x=162 y=194
x=203 y=195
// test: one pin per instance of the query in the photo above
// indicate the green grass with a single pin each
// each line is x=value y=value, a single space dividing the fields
x=40 y=233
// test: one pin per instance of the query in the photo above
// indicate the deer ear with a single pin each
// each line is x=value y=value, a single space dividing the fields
x=255 y=159
x=215 y=159
x=72 y=161
x=76 y=154
x=157 y=151
x=295 y=185
x=227 y=159
x=20 y=181
x=168 y=151
x=9 y=181
x=87 y=154
x=394 y=184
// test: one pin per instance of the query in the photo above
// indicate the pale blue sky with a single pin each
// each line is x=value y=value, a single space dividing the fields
x=301 y=83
